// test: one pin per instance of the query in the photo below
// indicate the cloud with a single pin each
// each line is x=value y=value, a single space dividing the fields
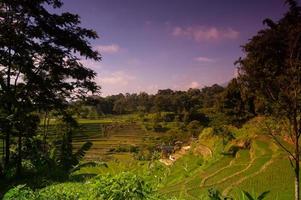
x=111 y=49
x=95 y=65
x=194 y=84
x=203 y=59
x=203 y=33
x=117 y=78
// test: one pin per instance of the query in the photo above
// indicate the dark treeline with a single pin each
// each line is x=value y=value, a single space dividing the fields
x=41 y=77
x=209 y=104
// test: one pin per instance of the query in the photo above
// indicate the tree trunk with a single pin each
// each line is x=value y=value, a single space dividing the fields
x=7 y=145
x=19 y=161
x=45 y=131
x=3 y=149
x=297 y=158
x=297 y=181
x=297 y=170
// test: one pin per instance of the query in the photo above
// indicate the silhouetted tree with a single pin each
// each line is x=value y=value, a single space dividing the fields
x=40 y=64
x=272 y=68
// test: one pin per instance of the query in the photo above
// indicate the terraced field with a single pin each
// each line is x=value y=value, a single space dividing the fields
x=120 y=136
x=107 y=138
x=107 y=134
x=264 y=167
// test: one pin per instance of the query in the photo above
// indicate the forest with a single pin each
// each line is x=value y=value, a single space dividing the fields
x=61 y=139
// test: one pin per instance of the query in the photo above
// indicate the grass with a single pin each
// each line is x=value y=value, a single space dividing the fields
x=107 y=134
x=263 y=168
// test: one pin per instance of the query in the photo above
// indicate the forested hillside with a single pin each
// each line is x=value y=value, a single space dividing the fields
x=62 y=139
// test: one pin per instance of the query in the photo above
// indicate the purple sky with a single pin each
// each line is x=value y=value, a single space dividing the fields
x=157 y=44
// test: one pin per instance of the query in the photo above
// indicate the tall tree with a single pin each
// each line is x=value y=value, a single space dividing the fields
x=237 y=106
x=272 y=68
x=40 y=55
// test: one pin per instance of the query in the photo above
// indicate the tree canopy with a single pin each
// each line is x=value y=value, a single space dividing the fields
x=40 y=68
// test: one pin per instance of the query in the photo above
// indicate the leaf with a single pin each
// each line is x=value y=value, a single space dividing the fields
x=88 y=164
x=263 y=195
x=80 y=154
x=248 y=195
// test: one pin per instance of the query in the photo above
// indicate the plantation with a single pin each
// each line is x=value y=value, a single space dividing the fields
x=222 y=132
x=191 y=176
x=251 y=170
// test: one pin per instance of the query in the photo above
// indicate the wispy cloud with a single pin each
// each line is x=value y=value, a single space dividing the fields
x=117 y=78
x=111 y=49
x=203 y=33
x=194 y=84
x=95 y=65
x=203 y=59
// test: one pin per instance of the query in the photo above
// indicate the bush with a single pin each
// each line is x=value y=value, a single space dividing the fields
x=122 y=186
x=168 y=117
x=134 y=149
x=194 y=128
x=21 y=192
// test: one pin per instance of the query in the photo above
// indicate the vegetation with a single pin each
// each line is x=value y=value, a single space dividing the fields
x=277 y=49
x=211 y=143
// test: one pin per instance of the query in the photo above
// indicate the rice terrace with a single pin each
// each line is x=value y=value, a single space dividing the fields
x=154 y=100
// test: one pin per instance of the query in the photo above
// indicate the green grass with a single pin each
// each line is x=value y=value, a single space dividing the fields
x=185 y=167
x=106 y=134
x=265 y=167
x=103 y=120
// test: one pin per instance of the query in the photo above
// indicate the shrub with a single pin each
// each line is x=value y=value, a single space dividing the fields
x=125 y=185
x=21 y=192
x=194 y=128
x=122 y=186
x=168 y=117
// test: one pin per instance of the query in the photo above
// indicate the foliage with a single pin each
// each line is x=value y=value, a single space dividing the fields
x=194 y=128
x=40 y=65
x=120 y=186
x=21 y=192
x=260 y=197
x=216 y=195
x=272 y=69
x=237 y=105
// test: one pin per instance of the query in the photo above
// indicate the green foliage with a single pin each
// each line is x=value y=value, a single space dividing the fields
x=41 y=66
x=237 y=106
x=21 y=192
x=194 y=127
x=216 y=195
x=122 y=186
x=118 y=187
x=260 y=197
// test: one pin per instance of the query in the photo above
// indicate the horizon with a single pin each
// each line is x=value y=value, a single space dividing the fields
x=181 y=46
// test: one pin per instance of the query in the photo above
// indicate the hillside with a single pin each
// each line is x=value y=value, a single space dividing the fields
x=250 y=170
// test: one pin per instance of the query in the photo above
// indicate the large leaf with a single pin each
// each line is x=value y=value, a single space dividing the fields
x=80 y=154
x=248 y=195
x=263 y=195
x=88 y=164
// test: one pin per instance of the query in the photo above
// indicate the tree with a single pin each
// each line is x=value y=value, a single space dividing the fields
x=272 y=68
x=40 y=55
x=237 y=106
x=194 y=128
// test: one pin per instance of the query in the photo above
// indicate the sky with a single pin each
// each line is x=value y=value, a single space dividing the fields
x=148 y=45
